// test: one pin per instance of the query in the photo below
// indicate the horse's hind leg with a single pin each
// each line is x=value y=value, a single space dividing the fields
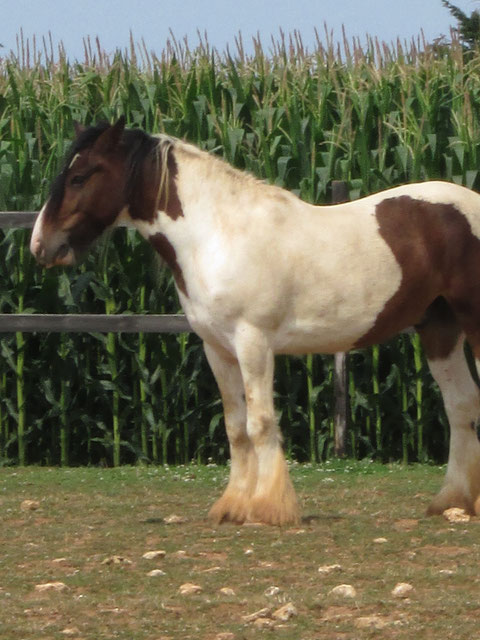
x=443 y=345
x=234 y=503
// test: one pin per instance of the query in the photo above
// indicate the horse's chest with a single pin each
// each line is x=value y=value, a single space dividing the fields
x=211 y=324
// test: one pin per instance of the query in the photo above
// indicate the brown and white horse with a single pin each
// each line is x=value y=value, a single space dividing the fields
x=259 y=272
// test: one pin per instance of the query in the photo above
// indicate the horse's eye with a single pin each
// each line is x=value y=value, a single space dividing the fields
x=78 y=180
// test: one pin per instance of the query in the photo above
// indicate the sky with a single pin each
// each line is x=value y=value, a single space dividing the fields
x=70 y=21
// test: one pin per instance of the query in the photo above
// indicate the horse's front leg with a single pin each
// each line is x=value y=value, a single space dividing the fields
x=273 y=500
x=234 y=504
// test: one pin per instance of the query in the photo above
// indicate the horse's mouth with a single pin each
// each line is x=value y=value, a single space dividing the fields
x=64 y=256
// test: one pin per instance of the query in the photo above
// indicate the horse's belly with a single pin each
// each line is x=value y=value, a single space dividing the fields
x=319 y=337
x=335 y=315
x=324 y=318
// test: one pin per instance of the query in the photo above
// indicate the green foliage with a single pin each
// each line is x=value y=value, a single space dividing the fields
x=374 y=117
x=468 y=26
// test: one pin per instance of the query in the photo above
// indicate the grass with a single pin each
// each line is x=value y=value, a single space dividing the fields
x=86 y=516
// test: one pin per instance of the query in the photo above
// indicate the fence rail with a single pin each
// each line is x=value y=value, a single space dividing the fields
x=93 y=322
x=19 y=219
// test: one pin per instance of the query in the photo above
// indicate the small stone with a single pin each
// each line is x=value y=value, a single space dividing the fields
x=189 y=589
x=329 y=568
x=286 y=612
x=261 y=613
x=344 y=591
x=380 y=541
x=174 y=519
x=227 y=591
x=156 y=573
x=263 y=623
x=30 y=505
x=402 y=590
x=154 y=555
x=225 y=635
x=271 y=592
x=371 y=622
x=116 y=560
x=70 y=631
x=456 y=515
x=59 y=561
x=248 y=552
x=447 y=572
x=51 y=586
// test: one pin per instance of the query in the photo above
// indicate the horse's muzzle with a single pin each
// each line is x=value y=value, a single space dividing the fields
x=61 y=255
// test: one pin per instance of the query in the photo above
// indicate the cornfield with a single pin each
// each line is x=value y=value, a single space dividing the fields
x=373 y=116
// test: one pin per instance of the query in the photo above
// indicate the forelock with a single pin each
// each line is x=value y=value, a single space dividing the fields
x=82 y=142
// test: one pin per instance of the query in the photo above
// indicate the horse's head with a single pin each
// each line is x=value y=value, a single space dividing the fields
x=86 y=197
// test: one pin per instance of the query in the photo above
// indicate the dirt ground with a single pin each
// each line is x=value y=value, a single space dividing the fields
x=364 y=563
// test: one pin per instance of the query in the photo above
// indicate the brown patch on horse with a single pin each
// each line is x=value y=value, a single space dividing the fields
x=437 y=252
x=169 y=200
x=164 y=247
x=146 y=199
x=439 y=330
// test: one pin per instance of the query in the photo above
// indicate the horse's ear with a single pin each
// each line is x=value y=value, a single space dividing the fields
x=110 y=138
x=79 y=128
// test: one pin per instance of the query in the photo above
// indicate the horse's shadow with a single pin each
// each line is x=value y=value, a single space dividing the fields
x=312 y=518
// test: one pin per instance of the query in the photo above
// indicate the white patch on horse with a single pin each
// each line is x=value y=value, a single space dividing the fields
x=150 y=229
x=74 y=159
x=37 y=233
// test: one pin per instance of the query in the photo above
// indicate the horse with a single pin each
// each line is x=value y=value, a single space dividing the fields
x=259 y=272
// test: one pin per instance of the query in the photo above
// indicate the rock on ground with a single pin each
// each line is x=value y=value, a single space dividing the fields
x=51 y=586
x=456 y=515
x=344 y=591
x=189 y=589
x=402 y=590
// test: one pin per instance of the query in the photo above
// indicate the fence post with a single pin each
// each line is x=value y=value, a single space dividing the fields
x=340 y=379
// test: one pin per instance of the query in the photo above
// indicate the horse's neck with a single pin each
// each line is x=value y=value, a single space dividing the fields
x=208 y=189
x=215 y=202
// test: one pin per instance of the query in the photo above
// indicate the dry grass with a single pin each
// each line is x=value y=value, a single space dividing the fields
x=89 y=528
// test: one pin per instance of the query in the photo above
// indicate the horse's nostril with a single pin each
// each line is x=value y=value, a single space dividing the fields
x=38 y=250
